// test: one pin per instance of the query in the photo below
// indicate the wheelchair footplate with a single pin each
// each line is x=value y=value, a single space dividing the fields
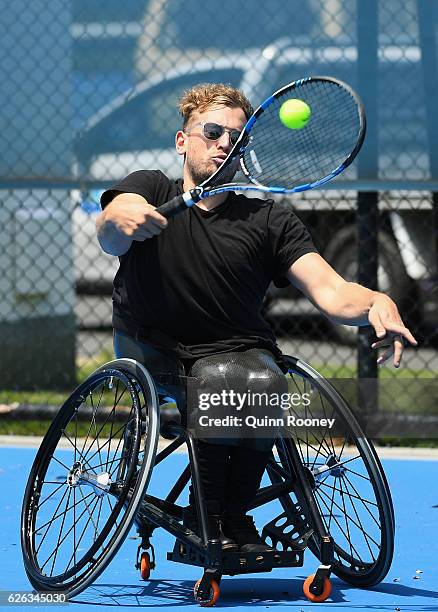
x=233 y=563
x=289 y=551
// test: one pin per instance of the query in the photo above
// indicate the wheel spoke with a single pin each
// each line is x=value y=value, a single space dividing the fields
x=358 y=497
x=63 y=484
x=346 y=515
x=67 y=534
x=108 y=442
x=76 y=450
x=338 y=523
x=59 y=535
x=57 y=516
x=49 y=522
x=365 y=535
x=92 y=408
x=362 y=500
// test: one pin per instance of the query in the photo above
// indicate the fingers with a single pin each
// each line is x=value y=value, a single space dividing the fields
x=157 y=219
x=152 y=225
x=135 y=218
x=398 y=350
x=390 y=329
x=403 y=331
x=396 y=347
x=384 y=358
x=378 y=325
x=394 y=328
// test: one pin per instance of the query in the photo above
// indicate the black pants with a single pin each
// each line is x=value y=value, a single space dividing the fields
x=231 y=470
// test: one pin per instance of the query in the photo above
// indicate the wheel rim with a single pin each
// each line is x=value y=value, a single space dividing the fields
x=75 y=498
x=348 y=487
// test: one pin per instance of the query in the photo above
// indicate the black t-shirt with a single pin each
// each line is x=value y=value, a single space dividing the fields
x=198 y=287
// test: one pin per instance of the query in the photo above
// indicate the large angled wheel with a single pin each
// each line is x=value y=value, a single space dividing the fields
x=88 y=477
x=347 y=479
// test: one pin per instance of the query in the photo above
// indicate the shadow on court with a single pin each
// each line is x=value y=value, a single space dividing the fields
x=240 y=593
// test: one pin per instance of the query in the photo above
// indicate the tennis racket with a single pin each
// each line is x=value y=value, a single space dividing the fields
x=277 y=159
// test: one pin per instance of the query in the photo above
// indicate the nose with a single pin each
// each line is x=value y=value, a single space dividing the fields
x=225 y=140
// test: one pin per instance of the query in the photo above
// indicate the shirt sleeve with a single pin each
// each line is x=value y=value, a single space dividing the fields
x=143 y=182
x=289 y=239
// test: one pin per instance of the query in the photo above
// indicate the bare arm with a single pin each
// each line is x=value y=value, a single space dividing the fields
x=127 y=217
x=351 y=303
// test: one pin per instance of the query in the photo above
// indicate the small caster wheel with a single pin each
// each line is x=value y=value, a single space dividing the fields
x=327 y=589
x=213 y=595
x=145 y=566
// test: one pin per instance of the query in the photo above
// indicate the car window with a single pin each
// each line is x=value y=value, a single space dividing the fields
x=243 y=25
x=149 y=120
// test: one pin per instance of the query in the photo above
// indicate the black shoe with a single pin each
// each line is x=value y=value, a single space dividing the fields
x=241 y=528
x=190 y=521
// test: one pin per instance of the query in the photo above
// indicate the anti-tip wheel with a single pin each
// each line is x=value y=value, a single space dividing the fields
x=145 y=566
x=213 y=595
x=327 y=589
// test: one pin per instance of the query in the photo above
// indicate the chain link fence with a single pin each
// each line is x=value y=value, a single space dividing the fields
x=89 y=95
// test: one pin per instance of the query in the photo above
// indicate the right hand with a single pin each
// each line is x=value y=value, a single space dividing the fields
x=134 y=217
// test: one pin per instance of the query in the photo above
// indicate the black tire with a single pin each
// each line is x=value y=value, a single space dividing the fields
x=350 y=489
x=81 y=501
x=342 y=254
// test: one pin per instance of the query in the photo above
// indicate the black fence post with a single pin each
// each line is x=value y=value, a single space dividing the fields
x=368 y=249
x=367 y=206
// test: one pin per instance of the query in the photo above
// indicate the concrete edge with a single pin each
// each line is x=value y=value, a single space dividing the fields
x=385 y=452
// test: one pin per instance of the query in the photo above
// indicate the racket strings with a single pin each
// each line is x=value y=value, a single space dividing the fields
x=282 y=157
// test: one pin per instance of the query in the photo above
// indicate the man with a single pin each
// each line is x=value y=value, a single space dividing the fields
x=188 y=294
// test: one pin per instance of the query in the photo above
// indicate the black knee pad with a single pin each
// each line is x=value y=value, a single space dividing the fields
x=235 y=398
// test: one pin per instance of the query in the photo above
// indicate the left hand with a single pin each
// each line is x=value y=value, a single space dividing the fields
x=388 y=325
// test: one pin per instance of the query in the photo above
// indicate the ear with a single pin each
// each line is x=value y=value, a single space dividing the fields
x=181 y=142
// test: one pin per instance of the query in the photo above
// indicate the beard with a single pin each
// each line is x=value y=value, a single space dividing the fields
x=200 y=172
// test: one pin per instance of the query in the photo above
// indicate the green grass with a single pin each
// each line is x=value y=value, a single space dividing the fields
x=408 y=442
x=87 y=365
x=31 y=427
x=330 y=371
x=404 y=402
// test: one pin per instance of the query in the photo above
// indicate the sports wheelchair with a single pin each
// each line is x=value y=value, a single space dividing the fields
x=89 y=484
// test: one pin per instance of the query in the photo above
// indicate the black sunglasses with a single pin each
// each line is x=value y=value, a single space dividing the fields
x=213 y=131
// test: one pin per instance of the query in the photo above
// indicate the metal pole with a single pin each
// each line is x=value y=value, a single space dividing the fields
x=367 y=209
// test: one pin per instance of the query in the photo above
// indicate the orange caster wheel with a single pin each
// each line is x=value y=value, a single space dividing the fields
x=213 y=596
x=145 y=566
x=322 y=596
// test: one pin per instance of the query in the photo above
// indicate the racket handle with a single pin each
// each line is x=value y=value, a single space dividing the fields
x=176 y=205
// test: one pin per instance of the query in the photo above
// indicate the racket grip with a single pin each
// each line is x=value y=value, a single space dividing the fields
x=176 y=205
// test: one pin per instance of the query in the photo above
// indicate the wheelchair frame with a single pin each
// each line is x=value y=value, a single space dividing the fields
x=296 y=482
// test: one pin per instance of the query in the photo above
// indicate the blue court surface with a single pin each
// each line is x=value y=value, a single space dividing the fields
x=412 y=583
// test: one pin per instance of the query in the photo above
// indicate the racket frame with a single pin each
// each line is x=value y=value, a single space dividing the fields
x=208 y=187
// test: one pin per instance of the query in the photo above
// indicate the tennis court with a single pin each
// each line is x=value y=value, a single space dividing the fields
x=410 y=585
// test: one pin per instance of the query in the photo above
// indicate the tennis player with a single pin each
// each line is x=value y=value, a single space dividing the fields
x=188 y=294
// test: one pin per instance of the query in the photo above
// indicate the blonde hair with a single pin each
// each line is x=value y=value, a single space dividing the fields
x=202 y=97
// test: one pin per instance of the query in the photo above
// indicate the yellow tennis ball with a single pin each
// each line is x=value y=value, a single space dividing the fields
x=294 y=114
